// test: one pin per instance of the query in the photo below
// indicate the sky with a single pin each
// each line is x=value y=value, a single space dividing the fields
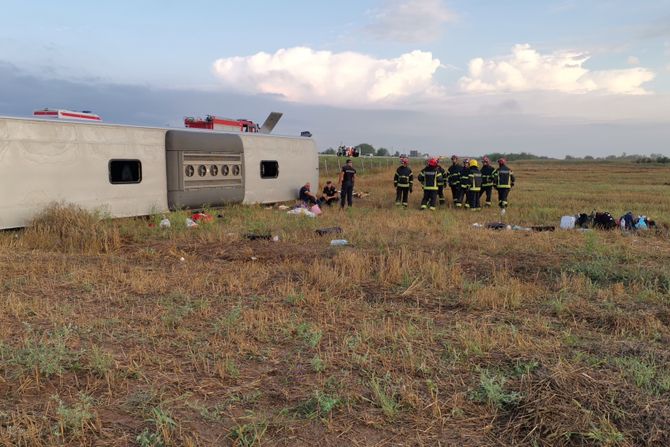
x=554 y=77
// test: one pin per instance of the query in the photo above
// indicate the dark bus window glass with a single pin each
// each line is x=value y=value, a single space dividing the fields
x=269 y=169
x=125 y=171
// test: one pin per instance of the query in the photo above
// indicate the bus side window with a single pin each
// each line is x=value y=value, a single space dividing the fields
x=123 y=172
x=269 y=169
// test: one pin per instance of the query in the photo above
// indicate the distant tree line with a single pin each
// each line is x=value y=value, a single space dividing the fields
x=653 y=158
x=518 y=156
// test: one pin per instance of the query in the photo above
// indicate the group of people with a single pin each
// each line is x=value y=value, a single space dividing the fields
x=330 y=194
x=467 y=183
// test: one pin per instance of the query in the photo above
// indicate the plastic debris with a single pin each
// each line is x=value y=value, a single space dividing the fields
x=282 y=207
x=275 y=238
x=165 y=223
x=339 y=242
x=182 y=259
x=202 y=217
x=520 y=228
x=301 y=211
x=315 y=209
x=477 y=225
x=329 y=230
x=190 y=223
x=568 y=222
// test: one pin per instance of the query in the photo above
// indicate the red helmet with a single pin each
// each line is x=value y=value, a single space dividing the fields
x=502 y=161
x=404 y=160
x=432 y=162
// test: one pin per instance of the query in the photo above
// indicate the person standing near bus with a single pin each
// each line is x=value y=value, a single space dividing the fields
x=347 y=178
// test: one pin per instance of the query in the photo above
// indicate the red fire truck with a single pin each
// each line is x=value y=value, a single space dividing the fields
x=223 y=124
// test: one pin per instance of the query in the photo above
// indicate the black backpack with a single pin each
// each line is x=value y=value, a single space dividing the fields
x=583 y=221
x=604 y=221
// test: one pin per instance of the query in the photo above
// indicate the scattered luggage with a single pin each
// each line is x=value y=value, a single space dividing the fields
x=604 y=221
x=568 y=222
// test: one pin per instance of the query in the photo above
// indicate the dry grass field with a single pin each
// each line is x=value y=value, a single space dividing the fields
x=423 y=331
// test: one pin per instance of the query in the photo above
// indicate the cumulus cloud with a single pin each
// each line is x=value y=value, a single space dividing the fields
x=410 y=21
x=526 y=69
x=322 y=77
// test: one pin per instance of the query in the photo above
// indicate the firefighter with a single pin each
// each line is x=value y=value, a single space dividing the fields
x=474 y=185
x=487 y=179
x=442 y=183
x=403 y=181
x=465 y=172
x=454 y=181
x=429 y=177
x=346 y=181
x=503 y=180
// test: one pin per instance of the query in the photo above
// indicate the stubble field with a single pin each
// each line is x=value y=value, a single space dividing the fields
x=423 y=331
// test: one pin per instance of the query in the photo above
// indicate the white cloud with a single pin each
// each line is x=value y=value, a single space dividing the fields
x=410 y=21
x=526 y=69
x=304 y=75
x=633 y=60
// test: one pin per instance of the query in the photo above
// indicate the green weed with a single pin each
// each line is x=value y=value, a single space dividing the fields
x=384 y=397
x=248 y=435
x=491 y=390
x=73 y=419
x=320 y=405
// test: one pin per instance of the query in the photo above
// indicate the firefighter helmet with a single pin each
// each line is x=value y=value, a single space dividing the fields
x=473 y=163
x=432 y=162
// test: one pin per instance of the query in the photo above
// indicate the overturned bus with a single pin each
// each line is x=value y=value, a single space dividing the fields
x=128 y=171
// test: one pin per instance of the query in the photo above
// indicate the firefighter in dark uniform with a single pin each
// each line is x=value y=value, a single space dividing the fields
x=403 y=181
x=487 y=180
x=465 y=172
x=474 y=186
x=454 y=181
x=429 y=177
x=503 y=180
x=442 y=184
x=346 y=180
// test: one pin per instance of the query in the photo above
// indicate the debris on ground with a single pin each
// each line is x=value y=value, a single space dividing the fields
x=339 y=242
x=301 y=211
x=543 y=228
x=165 y=223
x=190 y=223
x=361 y=194
x=328 y=230
x=202 y=217
x=605 y=221
x=496 y=226
x=256 y=237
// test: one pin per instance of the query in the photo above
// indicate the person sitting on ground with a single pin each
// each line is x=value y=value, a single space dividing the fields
x=305 y=195
x=330 y=194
